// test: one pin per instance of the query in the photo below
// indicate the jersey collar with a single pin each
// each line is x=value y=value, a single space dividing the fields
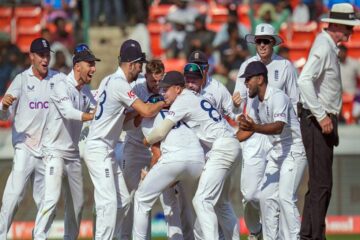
x=71 y=79
x=120 y=72
x=268 y=92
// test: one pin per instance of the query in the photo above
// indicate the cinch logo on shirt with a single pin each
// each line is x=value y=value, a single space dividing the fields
x=39 y=105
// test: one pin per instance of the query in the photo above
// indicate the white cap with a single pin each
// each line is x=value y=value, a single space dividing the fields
x=263 y=30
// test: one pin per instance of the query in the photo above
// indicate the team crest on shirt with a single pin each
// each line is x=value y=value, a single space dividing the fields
x=31 y=88
x=267 y=111
x=51 y=86
x=276 y=75
x=84 y=100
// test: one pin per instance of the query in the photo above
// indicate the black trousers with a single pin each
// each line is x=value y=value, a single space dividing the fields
x=319 y=151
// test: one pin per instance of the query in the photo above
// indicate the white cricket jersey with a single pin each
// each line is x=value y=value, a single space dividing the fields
x=217 y=94
x=115 y=95
x=63 y=125
x=135 y=136
x=201 y=116
x=276 y=107
x=180 y=141
x=281 y=74
x=30 y=109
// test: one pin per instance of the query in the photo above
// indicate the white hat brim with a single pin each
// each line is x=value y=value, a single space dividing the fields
x=250 y=38
x=343 y=22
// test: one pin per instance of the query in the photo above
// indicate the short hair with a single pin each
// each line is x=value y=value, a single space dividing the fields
x=342 y=48
x=265 y=78
x=155 y=66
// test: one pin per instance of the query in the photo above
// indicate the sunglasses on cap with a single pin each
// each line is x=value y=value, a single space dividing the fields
x=265 y=41
x=193 y=68
x=81 y=48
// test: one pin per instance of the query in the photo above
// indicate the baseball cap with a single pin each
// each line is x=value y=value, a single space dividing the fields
x=172 y=78
x=254 y=69
x=130 y=51
x=40 y=45
x=193 y=70
x=198 y=57
x=84 y=55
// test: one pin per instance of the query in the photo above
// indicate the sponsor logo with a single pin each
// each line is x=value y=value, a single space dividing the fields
x=63 y=99
x=276 y=75
x=107 y=173
x=51 y=86
x=31 y=88
x=131 y=94
x=39 y=105
x=171 y=113
x=279 y=115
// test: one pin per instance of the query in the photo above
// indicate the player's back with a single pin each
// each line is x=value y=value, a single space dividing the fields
x=201 y=116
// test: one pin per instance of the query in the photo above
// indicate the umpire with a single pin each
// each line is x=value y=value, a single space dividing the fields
x=321 y=98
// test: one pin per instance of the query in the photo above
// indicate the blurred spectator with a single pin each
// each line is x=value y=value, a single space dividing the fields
x=61 y=35
x=199 y=39
x=173 y=41
x=59 y=8
x=110 y=12
x=232 y=18
x=349 y=70
x=56 y=46
x=135 y=9
x=234 y=51
x=301 y=13
x=356 y=107
x=141 y=33
x=267 y=14
x=284 y=52
x=60 y=63
x=183 y=11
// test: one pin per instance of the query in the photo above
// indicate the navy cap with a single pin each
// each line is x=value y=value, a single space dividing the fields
x=172 y=78
x=85 y=55
x=130 y=51
x=198 y=57
x=254 y=69
x=40 y=45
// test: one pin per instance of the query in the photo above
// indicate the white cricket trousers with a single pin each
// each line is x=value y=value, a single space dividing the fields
x=211 y=199
x=282 y=177
x=254 y=152
x=111 y=195
x=24 y=165
x=55 y=169
x=160 y=177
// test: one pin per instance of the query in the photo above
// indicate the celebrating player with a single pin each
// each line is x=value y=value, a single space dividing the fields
x=68 y=108
x=27 y=100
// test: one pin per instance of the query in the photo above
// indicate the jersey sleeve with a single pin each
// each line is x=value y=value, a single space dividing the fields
x=63 y=103
x=226 y=102
x=15 y=91
x=123 y=92
x=280 y=107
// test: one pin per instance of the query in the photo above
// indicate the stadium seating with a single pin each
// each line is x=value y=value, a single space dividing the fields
x=28 y=16
x=218 y=13
x=174 y=64
x=157 y=12
x=155 y=30
x=5 y=19
x=298 y=50
x=25 y=35
x=346 y=111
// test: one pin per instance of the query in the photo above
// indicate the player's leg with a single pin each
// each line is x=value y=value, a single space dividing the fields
x=269 y=199
x=54 y=167
x=99 y=164
x=38 y=182
x=74 y=199
x=221 y=160
x=170 y=205
x=291 y=174
x=23 y=165
x=123 y=199
x=228 y=221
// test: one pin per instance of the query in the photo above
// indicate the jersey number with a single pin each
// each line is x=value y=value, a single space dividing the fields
x=102 y=100
x=213 y=113
x=163 y=115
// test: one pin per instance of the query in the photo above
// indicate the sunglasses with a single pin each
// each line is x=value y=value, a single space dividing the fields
x=193 y=68
x=82 y=47
x=263 y=40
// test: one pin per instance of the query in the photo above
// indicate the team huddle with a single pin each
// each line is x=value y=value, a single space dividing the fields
x=179 y=147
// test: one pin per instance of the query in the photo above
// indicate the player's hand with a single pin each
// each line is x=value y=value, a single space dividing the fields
x=236 y=98
x=246 y=123
x=7 y=101
x=144 y=172
x=326 y=125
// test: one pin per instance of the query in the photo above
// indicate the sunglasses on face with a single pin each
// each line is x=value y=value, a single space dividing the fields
x=263 y=41
x=193 y=67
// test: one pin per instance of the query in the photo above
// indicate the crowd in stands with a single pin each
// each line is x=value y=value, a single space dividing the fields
x=185 y=27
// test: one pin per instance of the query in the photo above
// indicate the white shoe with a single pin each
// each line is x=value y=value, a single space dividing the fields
x=255 y=236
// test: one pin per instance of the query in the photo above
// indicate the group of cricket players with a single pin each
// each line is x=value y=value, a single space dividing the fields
x=178 y=147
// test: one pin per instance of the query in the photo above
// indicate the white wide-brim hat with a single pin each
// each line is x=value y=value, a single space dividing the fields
x=342 y=13
x=263 y=30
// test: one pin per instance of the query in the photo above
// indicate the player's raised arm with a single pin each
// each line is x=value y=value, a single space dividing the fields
x=147 y=109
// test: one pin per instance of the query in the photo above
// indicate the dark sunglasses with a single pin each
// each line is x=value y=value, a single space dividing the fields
x=193 y=67
x=263 y=40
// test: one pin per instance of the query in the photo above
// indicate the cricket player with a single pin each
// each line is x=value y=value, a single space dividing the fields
x=68 y=109
x=271 y=113
x=116 y=95
x=198 y=80
x=27 y=101
x=135 y=155
x=179 y=161
x=214 y=132
x=281 y=75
